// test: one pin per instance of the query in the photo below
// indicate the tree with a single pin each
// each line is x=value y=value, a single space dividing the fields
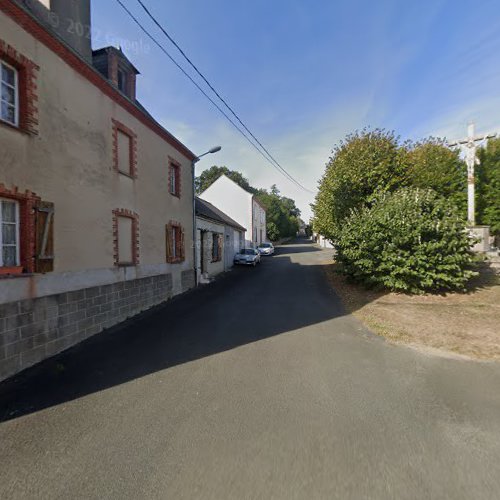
x=272 y=231
x=412 y=240
x=281 y=213
x=488 y=186
x=209 y=176
x=429 y=164
x=365 y=162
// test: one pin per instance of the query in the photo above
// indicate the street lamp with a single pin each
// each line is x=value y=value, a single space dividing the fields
x=215 y=149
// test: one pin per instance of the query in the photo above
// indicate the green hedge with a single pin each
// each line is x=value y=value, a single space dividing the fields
x=411 y=240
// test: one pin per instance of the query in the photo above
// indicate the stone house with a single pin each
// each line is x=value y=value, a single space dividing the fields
x=96 y=198
x=240 y=205
x=218 y=239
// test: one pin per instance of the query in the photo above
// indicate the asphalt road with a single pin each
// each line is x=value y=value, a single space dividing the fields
x=257 y=386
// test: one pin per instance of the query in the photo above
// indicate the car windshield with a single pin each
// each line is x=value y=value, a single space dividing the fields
x=247 y=251
x=265 y=245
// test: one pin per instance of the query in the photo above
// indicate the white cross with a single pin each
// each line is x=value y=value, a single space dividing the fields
x=471 y=159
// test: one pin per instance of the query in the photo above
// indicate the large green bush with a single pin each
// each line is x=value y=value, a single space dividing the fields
x=366 y=161
x=430 y=164
x=412 y=240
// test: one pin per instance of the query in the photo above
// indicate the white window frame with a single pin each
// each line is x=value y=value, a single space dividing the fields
x=18 y=243
x=16 y=93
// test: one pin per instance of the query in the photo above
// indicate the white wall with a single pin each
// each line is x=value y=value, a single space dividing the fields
x=212 y=268
x=258 y=223
x=233 y=200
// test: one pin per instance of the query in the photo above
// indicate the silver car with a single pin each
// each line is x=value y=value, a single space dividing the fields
x=247 y=256
x=266 y=248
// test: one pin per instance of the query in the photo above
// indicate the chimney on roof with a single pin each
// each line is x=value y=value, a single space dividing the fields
x=69 y=19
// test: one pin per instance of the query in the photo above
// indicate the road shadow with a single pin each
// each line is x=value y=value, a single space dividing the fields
x=244 y=306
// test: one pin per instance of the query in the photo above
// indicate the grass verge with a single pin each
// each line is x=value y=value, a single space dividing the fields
x=466 y=324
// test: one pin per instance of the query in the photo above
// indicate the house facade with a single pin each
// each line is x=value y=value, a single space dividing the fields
x=241 y=206
x=218 y=239
x=96 y=198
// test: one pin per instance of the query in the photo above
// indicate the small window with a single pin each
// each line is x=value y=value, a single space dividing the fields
x=9 y=94
x=174 y=180
x=175 y=243
x=124 y=156
x=122 y=81
x=9 y=234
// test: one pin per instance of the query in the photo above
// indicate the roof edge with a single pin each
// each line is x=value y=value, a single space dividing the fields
x=31 y=25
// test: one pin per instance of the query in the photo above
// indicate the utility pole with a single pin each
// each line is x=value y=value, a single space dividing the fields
x=471 y=145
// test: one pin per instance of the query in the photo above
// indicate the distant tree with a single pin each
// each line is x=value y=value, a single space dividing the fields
x=429 y=164
x=209 y=176
x=488 y=186
x=282 y=215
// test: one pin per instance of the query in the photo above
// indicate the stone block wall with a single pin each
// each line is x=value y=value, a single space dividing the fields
x=34 y=329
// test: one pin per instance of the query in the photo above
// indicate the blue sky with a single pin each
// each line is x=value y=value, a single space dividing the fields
x=304 y=73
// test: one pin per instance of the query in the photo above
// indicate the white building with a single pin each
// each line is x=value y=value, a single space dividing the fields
x=241 y=206
x=218 y=239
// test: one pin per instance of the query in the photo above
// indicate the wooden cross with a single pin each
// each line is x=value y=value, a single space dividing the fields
x=471 y=145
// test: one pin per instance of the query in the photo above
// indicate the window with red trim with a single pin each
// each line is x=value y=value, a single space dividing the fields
x=26 y=232
x=175 y=243
x=174 y=180
x=9 y=233
x=125 y=237
x=18 y=90
x=124 y=150
x=9 y=94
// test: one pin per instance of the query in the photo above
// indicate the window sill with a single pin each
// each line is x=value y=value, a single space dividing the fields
x=126 y=264
x=16 y=128
x=127 y=174
x=176 y=195
x=14 y=272
x=175 y=261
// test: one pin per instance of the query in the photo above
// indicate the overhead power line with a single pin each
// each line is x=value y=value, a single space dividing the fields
x=164 y=31
x=267 y=156
x=158 y=44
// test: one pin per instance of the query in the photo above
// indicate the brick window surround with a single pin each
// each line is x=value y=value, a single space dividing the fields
x=179 y=255
x=27 y=228
x=174 y=174
x=120 y=127
x=122 y=212
x=30 y=25
x=27 y=87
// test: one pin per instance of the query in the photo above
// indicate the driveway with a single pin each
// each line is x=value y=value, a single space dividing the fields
x=257 y=386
